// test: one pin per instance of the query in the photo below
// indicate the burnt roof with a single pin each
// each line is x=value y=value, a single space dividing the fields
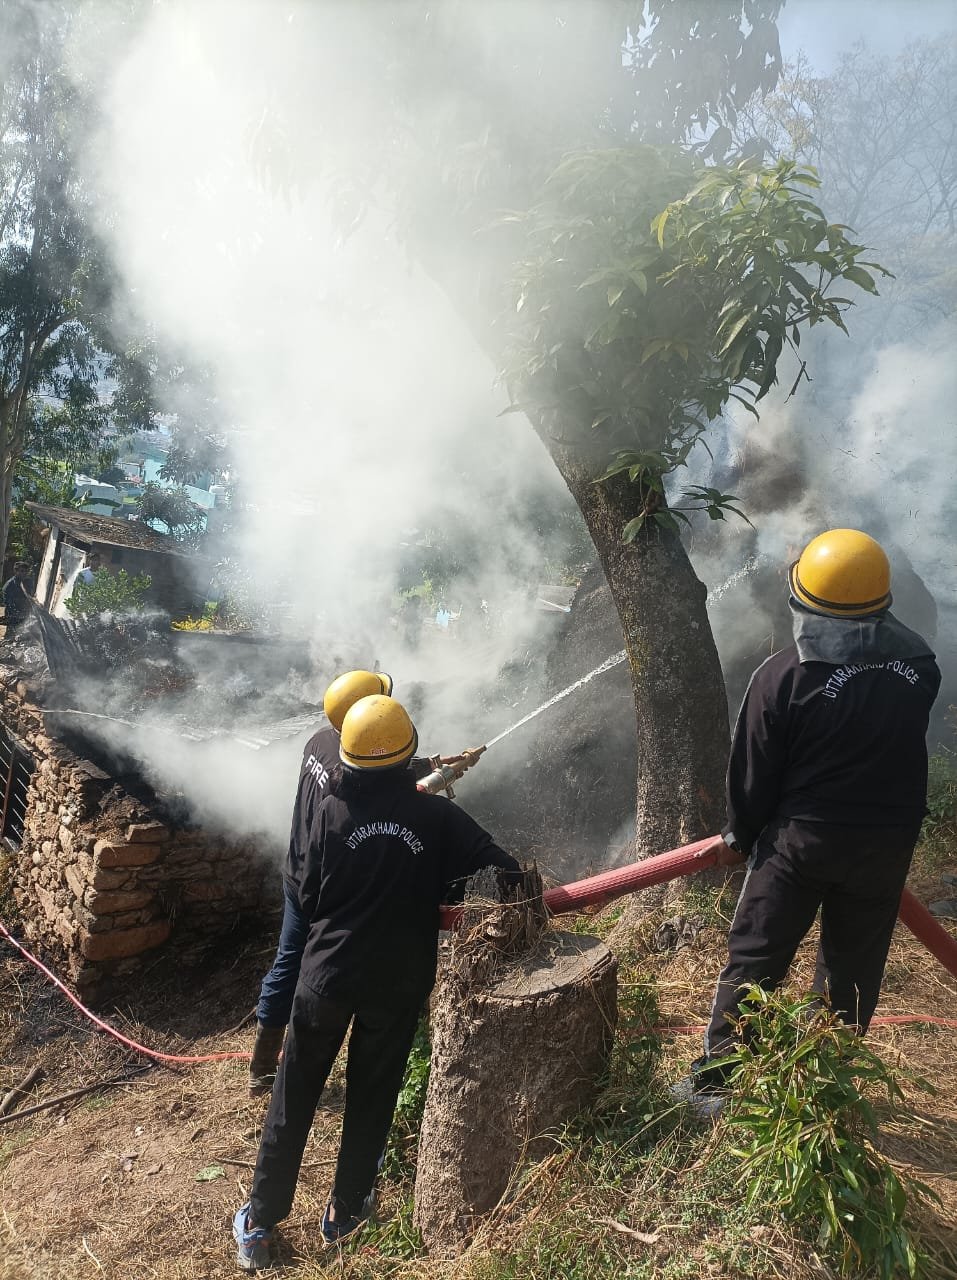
x=108 y=530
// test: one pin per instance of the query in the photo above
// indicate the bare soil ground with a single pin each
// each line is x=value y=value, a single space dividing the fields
x=108 y=1186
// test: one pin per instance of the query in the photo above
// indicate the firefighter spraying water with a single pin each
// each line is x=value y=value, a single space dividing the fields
x=820 y=797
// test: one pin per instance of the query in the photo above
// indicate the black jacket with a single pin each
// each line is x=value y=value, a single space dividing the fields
x=844 y=742
x=320 y=758
x=380 y=859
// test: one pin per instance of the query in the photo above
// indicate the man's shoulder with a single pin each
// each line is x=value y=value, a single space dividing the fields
x=776 y=668
x=323 y=744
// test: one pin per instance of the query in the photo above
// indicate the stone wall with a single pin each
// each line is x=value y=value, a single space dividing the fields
x=100 y=883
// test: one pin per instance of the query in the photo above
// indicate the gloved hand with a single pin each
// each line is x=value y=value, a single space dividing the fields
x=464 y=760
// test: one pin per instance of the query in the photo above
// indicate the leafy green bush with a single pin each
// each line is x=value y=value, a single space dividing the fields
x=108 y=593
x=805 y=1126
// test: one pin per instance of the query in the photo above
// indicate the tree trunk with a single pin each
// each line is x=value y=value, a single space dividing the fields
x=513 y=1058
x=12 y=432
x=678 y=685
x=7 y=462
x=682 y=712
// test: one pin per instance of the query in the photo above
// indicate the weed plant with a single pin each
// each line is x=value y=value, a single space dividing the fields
x=938 y=841
x=941 y=795
x=712 y=906
x=804 y=1122
x=404 y=1135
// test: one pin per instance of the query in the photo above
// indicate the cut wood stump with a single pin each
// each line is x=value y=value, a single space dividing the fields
x=520 y=1043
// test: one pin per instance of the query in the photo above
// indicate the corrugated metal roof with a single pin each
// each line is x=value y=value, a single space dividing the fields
x=256 y=737
x=252 y=737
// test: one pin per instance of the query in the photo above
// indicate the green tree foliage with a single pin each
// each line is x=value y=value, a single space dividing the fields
x=66 y=377
x=113 y=593
x=111 y=474
x=653 y=291
x=460 y=114
x=696 y=68
x=54 y=282
x=163 y=382
x=176 y=509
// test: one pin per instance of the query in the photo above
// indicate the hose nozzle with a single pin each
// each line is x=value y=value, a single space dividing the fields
x=448 y=769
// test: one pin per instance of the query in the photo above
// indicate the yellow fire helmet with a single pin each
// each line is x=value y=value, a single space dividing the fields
x=349 y=688
x=377 y=734
x=842 y=573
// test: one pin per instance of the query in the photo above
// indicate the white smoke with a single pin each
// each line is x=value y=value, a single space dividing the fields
x=900 y=452
x=360 y=404
x=361 y=410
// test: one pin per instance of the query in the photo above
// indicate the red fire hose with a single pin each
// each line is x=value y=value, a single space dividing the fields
x=941 y=945
x=598 y=890
x=594 y=891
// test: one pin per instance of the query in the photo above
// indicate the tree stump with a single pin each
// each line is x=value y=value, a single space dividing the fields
x=519 y=1045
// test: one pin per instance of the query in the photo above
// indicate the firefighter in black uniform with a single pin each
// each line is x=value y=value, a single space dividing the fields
x=378 y=857
x=319 y=758
x=827 y=789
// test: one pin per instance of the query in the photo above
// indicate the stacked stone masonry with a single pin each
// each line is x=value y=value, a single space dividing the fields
x=99 y=883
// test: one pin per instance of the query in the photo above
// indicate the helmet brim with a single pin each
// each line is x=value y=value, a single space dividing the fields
x=830 y=608
x=394 y=760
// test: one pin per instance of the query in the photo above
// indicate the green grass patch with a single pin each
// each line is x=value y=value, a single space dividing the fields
x=597 y=926
x=97 y=1102
x=938 y=838
x=712 y=905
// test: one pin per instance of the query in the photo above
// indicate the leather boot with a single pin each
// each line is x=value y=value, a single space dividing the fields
x=265 y=1060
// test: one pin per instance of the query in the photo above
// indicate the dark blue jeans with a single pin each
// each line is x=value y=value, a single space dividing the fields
x=279 y=984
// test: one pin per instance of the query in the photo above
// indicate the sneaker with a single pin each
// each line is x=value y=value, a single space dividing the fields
x=336 y=1232
x=705 y=1104
x=253 y=1245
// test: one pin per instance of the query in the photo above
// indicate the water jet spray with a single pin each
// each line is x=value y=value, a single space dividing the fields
x=455 y=770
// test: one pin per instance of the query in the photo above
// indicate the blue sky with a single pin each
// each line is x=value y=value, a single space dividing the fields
x=824 y=28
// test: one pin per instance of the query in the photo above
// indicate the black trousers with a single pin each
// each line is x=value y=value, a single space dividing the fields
x=382 y=1034
x=855 y=875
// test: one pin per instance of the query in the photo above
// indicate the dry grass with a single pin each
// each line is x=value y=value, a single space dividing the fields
x=73 y=1208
